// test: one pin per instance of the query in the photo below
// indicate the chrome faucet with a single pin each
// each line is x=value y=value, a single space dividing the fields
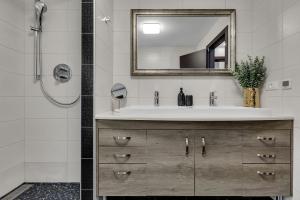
x=156 y=98
x=212 y=99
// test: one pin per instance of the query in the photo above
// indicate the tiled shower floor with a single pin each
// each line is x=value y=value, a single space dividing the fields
x=71 y=191
x=52 y=191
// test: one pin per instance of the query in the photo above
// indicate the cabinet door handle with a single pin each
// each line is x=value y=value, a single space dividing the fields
x=266 y=155
x=121 y=140
x=127 y=156
x=187 y=146
x=265 y=139
x=203 y=146
x=265 y=173
x=122 y=174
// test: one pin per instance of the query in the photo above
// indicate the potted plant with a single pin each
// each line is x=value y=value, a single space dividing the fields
x=251 y=75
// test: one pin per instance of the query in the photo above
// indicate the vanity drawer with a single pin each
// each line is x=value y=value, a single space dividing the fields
x=121 y=155
x=115 y=137
x=267 y=138
x=267 y=179
x=266 y=155
x=122 y=180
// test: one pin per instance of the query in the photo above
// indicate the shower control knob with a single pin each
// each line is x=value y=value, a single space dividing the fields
x=62 y=73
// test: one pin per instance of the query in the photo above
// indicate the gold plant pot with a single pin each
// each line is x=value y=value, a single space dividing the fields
x=252 y=97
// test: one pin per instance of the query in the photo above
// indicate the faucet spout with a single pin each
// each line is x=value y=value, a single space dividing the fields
x=156 y=98
x=212 y=98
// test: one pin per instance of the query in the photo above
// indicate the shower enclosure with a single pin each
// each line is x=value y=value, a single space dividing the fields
x=40 y=75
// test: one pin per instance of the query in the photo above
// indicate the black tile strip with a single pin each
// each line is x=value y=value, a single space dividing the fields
x=87 y=111
x=87 y=174
x=87 y=18
x=87 y=80
x=87 y=55
x=87 y=194
x=87 y=143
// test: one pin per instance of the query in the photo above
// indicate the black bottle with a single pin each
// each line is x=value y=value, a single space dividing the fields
x=181 y=98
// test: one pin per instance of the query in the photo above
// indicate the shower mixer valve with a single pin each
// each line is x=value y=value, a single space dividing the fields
x=62 y=73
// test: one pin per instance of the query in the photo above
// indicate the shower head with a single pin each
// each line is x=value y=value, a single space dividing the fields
x=40 y=9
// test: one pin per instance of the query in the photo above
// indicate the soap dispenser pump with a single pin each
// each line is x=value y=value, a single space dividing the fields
x=181 y=98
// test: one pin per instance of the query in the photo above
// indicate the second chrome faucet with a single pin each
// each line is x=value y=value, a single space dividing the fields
x=212 y=98
x=156 y=98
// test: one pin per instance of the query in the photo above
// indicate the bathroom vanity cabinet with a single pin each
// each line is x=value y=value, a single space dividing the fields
x=173 y=158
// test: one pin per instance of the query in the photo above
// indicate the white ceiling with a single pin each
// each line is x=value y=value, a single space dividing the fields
x=175 y=31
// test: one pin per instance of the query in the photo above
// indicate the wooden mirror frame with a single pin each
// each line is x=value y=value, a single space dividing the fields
x=135 y=13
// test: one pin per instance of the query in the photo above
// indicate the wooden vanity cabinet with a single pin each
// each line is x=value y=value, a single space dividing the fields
x=147 y=158
x=170 y=162
x=218 y=163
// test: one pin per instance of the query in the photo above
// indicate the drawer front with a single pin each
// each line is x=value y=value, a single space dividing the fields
x=267 y=179
x=271 y=138
x=218 y=172
x=114 y=137
x=122 y=180
x=170 y=169
x=266 y=155
x=219 y=137
x=112 y=155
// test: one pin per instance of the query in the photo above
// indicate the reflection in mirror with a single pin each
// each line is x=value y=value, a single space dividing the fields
x=182 y=42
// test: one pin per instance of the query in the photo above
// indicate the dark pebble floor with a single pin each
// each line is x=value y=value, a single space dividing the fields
x=71 y=191
x=52 y=191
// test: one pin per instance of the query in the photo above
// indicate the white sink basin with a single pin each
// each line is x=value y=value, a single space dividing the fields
x=193 y=111
x=196 y=113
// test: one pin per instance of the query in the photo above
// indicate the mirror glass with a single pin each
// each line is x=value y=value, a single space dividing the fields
x=170 y=44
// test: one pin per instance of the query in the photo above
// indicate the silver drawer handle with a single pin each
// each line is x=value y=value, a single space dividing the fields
x=262 y=138
x=122 y=156
x=203 y=146
x=187 y=147
x=266 y=173
x=121 y=140
x=266 y=155
x=122 y=174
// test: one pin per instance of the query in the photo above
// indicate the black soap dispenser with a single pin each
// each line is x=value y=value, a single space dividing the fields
x=181 y=98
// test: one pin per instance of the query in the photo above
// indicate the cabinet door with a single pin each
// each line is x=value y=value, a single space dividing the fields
x=218 y=163
x=170 y=168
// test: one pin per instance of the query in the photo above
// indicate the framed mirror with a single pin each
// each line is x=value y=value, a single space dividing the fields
x=183 y=42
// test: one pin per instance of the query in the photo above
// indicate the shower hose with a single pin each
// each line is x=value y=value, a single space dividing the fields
x=38 y=61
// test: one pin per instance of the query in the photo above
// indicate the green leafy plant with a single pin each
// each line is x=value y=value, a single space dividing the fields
x=251 y=73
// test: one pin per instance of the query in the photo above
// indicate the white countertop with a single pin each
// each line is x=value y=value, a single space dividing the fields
x=196 y=113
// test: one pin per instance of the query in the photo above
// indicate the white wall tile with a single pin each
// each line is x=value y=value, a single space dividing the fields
x=45 y=172
x=121 y=42
x=46 y=151
x=40 y=107
x=204 y=4
x=11 y=179
x=12 y=92
x=125 y=4
x=239 y=4
x=12 y=108
x=11 y=132
x=46 y=130
x=121 y=20
x=291 y=49
x=11 y=156
x=158 y=4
